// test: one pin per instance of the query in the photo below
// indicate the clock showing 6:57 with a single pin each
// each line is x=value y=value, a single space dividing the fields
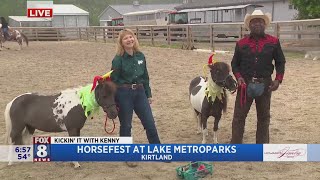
x=22 y=149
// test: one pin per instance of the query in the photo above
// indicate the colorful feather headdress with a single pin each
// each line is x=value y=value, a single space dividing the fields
x=105 y=77
x=211 y=61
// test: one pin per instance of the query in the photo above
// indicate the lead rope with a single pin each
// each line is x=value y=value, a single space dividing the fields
x=105 y=126
x=243 y=94
x=114 y=124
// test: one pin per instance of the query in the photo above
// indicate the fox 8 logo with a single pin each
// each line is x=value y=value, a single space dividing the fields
x=41 y=149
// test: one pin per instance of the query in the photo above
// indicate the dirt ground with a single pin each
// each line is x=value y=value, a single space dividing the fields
x=48 y=67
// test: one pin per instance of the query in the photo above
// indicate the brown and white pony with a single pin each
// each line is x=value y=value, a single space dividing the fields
x=208 y=96
x=14 y=35
x=65 y=111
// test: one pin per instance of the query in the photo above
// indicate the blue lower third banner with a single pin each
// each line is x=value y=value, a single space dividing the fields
x=313 y=152
x=155 y=152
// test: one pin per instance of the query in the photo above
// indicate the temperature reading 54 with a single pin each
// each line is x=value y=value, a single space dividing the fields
x=23 y=156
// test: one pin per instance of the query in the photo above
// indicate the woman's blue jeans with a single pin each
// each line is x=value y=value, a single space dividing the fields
x=129 y=100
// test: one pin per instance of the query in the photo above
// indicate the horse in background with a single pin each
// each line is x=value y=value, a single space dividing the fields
x=208 y=97
x=14 y=35
x=67 y=110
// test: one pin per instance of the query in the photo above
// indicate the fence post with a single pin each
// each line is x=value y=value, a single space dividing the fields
x=276 y=30
x=168 y=35
x=240 y=33
x=137 y=33
x=87 y=33
x=104 y=35
x=58 y=34
x=37 y=34
x=299 y=30
x=211 y=38
x=79 y=30
x=152 y=36
x=113 y=34
x=95 y=34
x=188 y=45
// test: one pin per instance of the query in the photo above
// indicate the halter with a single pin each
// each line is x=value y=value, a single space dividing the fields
x=107 y=78
x=223 y=83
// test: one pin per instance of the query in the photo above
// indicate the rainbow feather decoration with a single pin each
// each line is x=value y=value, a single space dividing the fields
x=105 y=77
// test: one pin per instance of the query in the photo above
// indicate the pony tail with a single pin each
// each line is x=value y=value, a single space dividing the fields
x=8 y=123
x=25 y=38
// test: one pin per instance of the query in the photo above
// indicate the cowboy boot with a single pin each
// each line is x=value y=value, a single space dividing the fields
x=132 y=164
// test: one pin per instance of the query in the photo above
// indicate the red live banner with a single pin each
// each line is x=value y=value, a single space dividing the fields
x=40 y=12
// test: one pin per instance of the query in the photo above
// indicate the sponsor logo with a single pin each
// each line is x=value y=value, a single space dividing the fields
x=288 y=153
x=285 y=152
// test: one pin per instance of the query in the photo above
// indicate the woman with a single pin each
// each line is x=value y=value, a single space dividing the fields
x=133 y=94
x=4 y=27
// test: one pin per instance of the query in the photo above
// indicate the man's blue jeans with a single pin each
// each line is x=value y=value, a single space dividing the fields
x=5 y=33
x=130 y=100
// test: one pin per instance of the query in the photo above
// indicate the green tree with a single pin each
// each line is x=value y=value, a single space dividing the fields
x=308 y=9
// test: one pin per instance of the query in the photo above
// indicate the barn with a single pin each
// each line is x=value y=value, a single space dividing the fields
x=116 y=11
x=64 y=15
x=280 y=10
x=24 y=21
x=68 y=15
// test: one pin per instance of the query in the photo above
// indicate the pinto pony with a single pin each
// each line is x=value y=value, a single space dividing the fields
x=14 y=35
x=67 y=110
x=208 y=96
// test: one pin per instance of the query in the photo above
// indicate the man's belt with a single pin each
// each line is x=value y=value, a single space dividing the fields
x=257 y=80
x=131 y=86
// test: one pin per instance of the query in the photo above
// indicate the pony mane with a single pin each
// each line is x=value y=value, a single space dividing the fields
x=71 y=90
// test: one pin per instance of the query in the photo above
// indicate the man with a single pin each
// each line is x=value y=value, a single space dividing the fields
x=252 y=66
x=4 y=27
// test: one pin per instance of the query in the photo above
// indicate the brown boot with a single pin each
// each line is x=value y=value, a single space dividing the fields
x=132 y=164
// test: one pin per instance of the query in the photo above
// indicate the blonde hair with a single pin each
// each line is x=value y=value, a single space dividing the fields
x=122 y=34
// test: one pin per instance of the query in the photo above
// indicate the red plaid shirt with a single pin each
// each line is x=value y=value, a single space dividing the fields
x=254 y=58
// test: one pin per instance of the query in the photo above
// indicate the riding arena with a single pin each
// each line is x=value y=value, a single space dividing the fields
x=50 y=67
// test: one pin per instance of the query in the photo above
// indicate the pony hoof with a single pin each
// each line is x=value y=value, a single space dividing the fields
x=10 y=163
x=76 y=165
x=198 y=132
x=204 y=142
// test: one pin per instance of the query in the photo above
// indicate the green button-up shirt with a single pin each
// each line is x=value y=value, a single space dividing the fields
x=131 y=69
